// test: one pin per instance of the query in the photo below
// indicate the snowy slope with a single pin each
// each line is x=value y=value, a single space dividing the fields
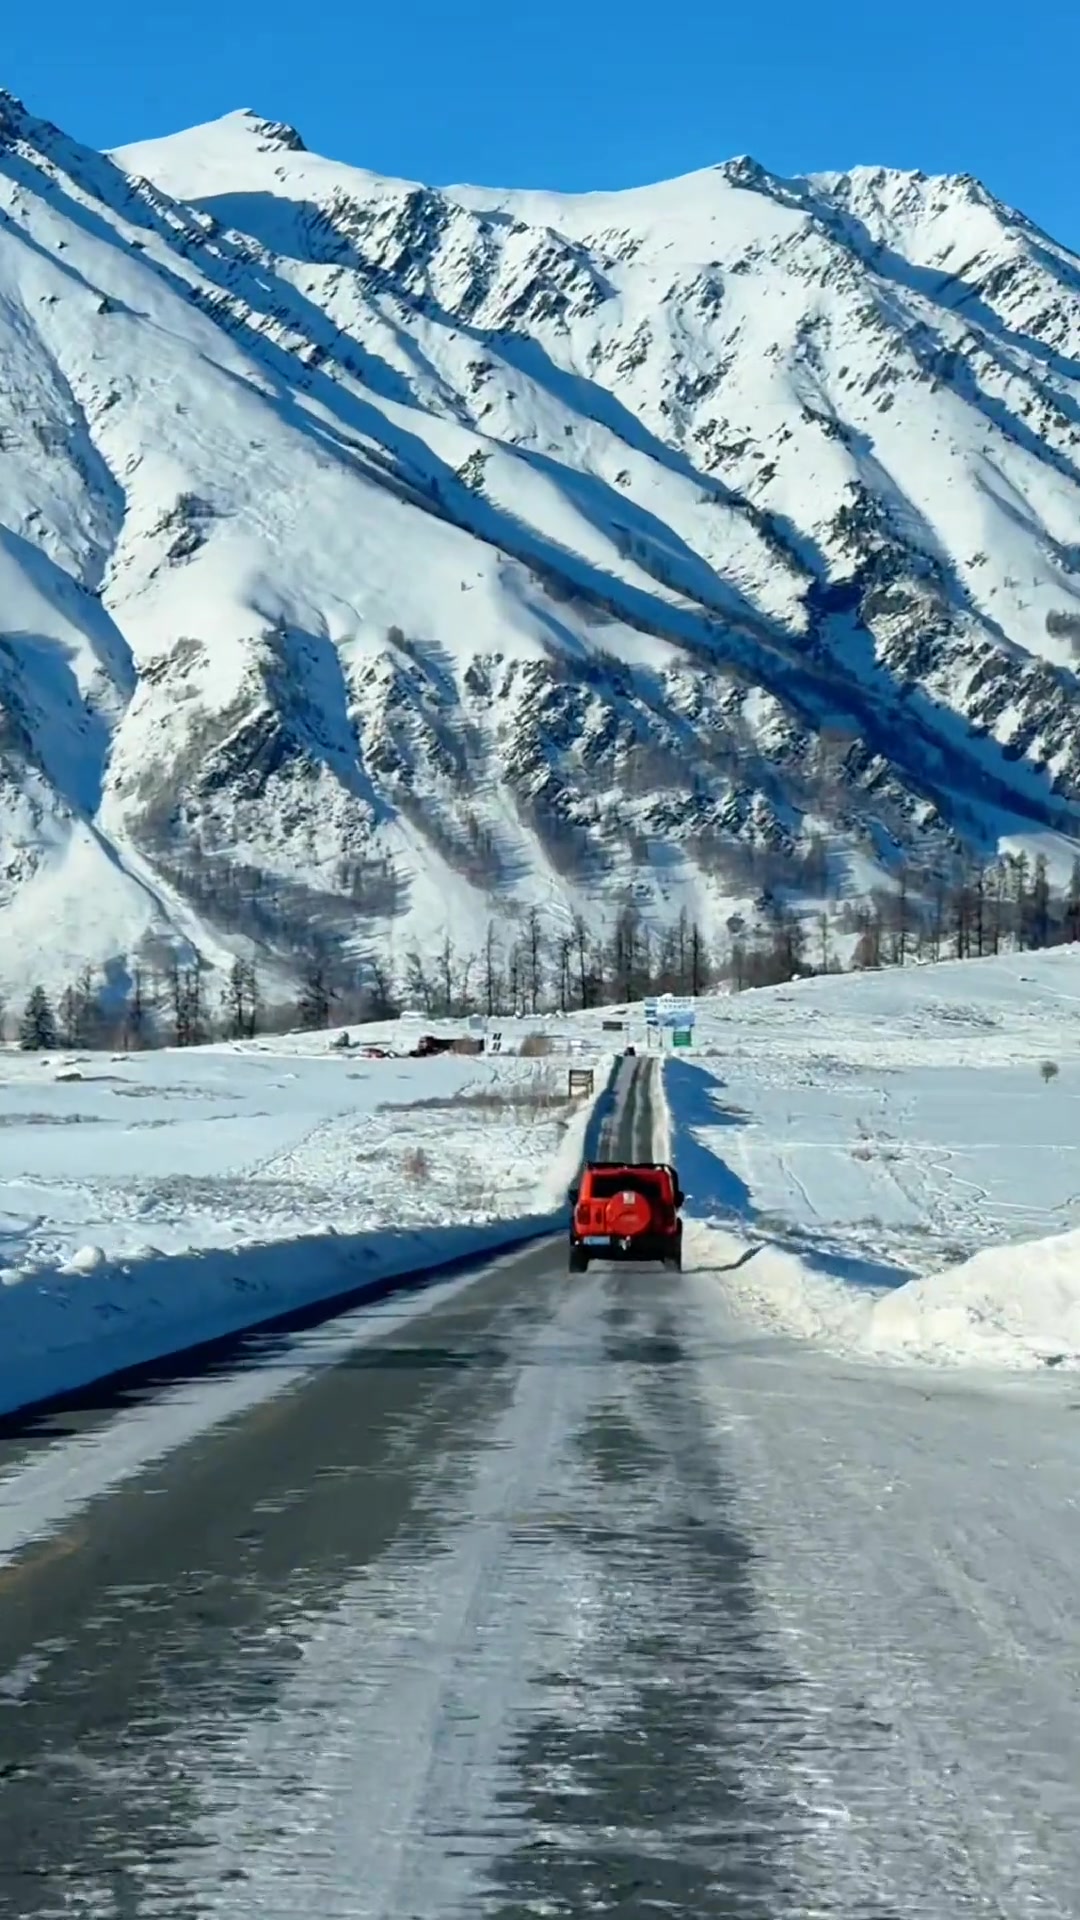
x=889 y=1162
x=386 y=558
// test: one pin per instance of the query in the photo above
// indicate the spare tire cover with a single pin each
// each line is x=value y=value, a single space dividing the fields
x=628 y=1213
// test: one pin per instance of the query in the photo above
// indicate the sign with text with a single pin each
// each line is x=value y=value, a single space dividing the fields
x=670 y=1010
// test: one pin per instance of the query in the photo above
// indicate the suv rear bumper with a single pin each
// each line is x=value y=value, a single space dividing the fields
x=644 y=1246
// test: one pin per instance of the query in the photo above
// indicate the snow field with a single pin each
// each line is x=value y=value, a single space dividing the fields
x=154 y=1201
x=881 y=1163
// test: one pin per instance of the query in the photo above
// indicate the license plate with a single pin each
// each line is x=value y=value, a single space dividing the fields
x=597 y=1239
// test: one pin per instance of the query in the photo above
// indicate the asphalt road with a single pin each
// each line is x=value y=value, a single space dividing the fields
x=560 y=1598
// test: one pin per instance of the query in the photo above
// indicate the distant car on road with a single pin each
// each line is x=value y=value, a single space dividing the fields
x=626 y=1211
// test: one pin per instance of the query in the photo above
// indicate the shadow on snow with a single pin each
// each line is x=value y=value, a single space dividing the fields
x=717 y=1195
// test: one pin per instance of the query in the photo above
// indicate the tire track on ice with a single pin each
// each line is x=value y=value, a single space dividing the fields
x=911 y=1558
x=372 y=1788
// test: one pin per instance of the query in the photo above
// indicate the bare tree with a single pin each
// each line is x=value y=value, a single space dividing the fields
x=464 y=1001
x=1018 y=865
x=534 y=959
x=445 y=977
x=381 y=999
x=998 y=908
x=979 y=905
x=241 y=1001
x=789 y=940
x=491 y=977
x=963 y=917
x=583 y=970
x=515 y=973
x=699 y=964
x=738 y=965
x=681 y=945
x=135 y=1025
x=1039 y=904
x=868 y=946
x=1071 y=922
x=564 y=956
x=628 y=968
x=418 y=988
x=78 y=1016
x=901 y=917
x=939 y=913
x=67 y=1018
x=186 y=990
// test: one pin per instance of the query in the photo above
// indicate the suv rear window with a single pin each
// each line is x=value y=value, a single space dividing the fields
x=603 y=1186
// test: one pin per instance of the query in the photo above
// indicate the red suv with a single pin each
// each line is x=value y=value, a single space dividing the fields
x=626 y=1211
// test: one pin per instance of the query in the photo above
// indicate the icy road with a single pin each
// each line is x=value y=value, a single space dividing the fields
x=559 y=1596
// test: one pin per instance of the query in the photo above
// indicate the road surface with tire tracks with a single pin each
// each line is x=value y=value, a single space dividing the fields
x=564 y=1596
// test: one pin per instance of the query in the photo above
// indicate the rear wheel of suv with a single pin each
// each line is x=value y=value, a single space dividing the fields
x=579 y=1261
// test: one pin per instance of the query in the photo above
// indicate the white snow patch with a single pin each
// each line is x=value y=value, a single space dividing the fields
x=85 y=1260
x=270 y=1181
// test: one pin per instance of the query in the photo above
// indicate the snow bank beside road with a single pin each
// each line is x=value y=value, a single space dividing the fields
x=1007 y=1307
x=163 y=1201
x=759 y=1283
x=59 y=1333
x=162 y=1153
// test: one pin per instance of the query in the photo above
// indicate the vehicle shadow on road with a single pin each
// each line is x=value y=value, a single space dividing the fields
x=732 y=1266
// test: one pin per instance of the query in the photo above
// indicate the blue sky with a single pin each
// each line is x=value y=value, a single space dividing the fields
x=585 y=93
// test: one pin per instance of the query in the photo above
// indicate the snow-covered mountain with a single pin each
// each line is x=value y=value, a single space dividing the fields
x=394 y=560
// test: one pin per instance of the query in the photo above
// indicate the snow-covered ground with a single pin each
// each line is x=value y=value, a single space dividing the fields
x=152 y=1200
x=881 y=1162
x=890 y=1163
x=149 y=1153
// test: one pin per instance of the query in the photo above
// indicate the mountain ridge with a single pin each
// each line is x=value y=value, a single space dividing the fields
x=394 y=560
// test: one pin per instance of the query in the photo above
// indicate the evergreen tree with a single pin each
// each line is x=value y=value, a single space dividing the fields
x=316 y=993
x=37 y=1028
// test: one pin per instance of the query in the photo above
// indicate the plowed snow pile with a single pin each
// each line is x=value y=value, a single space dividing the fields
x=1005 y=1306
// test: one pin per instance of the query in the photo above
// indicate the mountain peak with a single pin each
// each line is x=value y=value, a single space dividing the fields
x=742 y=170
x=273 y=135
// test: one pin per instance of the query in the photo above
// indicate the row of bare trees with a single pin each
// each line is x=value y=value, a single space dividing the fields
x=536 y=965
x=1007 y=905
x=538 y=969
